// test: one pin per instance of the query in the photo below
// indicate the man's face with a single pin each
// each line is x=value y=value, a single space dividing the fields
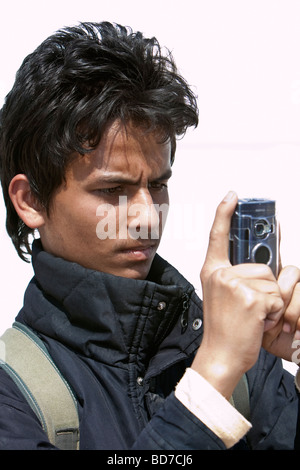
x=108 y=214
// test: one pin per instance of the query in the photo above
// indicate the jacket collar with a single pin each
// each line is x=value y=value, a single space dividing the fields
x=108 y=318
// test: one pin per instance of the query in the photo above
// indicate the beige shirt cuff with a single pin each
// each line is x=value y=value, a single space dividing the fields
x=210 y=407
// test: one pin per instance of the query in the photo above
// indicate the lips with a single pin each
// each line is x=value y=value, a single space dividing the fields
x=139 y=252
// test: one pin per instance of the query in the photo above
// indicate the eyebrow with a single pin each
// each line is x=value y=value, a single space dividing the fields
x=118 y=178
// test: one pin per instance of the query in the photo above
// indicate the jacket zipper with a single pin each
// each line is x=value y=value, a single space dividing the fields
x=185 y=312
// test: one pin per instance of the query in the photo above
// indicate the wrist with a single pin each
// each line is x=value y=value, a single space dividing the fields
x=222 y=374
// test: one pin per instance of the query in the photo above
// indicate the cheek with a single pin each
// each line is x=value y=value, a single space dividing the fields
x=107 y=222
x=76 y=222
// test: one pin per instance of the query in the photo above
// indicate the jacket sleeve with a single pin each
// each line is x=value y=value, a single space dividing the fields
x=20 y=428
x=174 y=427
x=274 y=402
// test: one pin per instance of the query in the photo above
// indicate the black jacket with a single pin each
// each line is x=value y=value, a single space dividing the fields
x=122 y=345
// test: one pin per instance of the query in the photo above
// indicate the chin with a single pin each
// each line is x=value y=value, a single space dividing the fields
x=137 y=272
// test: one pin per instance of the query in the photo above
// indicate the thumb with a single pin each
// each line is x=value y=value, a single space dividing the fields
x=217 y=252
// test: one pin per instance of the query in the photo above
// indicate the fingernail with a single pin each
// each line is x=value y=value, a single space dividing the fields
x=230 y=195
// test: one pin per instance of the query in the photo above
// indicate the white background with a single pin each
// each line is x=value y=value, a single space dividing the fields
x=242 y=58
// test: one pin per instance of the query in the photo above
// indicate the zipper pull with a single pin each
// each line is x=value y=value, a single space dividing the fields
x=185 y=312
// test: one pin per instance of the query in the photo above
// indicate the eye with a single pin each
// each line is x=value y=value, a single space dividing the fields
x=112 y=190
x=158 y=186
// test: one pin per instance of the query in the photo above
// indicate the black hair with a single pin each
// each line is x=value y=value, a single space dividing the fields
x=67 y=91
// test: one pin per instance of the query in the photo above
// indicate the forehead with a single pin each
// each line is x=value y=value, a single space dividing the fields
x=129 y=150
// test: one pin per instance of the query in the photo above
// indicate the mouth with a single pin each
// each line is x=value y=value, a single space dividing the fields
x=140 y=252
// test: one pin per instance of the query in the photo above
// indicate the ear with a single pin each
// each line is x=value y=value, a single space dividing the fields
x=25 y=203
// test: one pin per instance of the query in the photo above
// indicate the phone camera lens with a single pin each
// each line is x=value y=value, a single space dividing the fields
x=262 y=228
x=259 y=229
x=262 y=254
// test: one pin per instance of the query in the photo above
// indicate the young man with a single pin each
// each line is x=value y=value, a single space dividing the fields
x=88 y=138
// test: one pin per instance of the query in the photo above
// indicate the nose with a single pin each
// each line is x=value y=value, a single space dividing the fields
x=143 y=216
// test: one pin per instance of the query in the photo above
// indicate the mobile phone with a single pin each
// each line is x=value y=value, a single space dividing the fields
x=253 y=234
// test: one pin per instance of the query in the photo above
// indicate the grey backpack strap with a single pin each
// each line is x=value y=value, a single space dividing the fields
x=26 y=359
x=240 y=397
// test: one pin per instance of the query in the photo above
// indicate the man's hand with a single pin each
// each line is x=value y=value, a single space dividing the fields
x=240 y=304
x=279 y=339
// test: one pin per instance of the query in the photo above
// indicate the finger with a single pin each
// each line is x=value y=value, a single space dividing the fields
x=275 y=308
x=255 y=271
x=297 y=330
x=217 y=252
x=263 y=286
x=292 y=312
x=287 y=280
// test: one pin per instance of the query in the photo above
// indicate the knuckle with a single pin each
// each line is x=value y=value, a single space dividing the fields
x=214 y=234
x=220 y=277
x=204 y=274
x=249 y=296
x=244 y=294
x=211 y=272
x=215 y=276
